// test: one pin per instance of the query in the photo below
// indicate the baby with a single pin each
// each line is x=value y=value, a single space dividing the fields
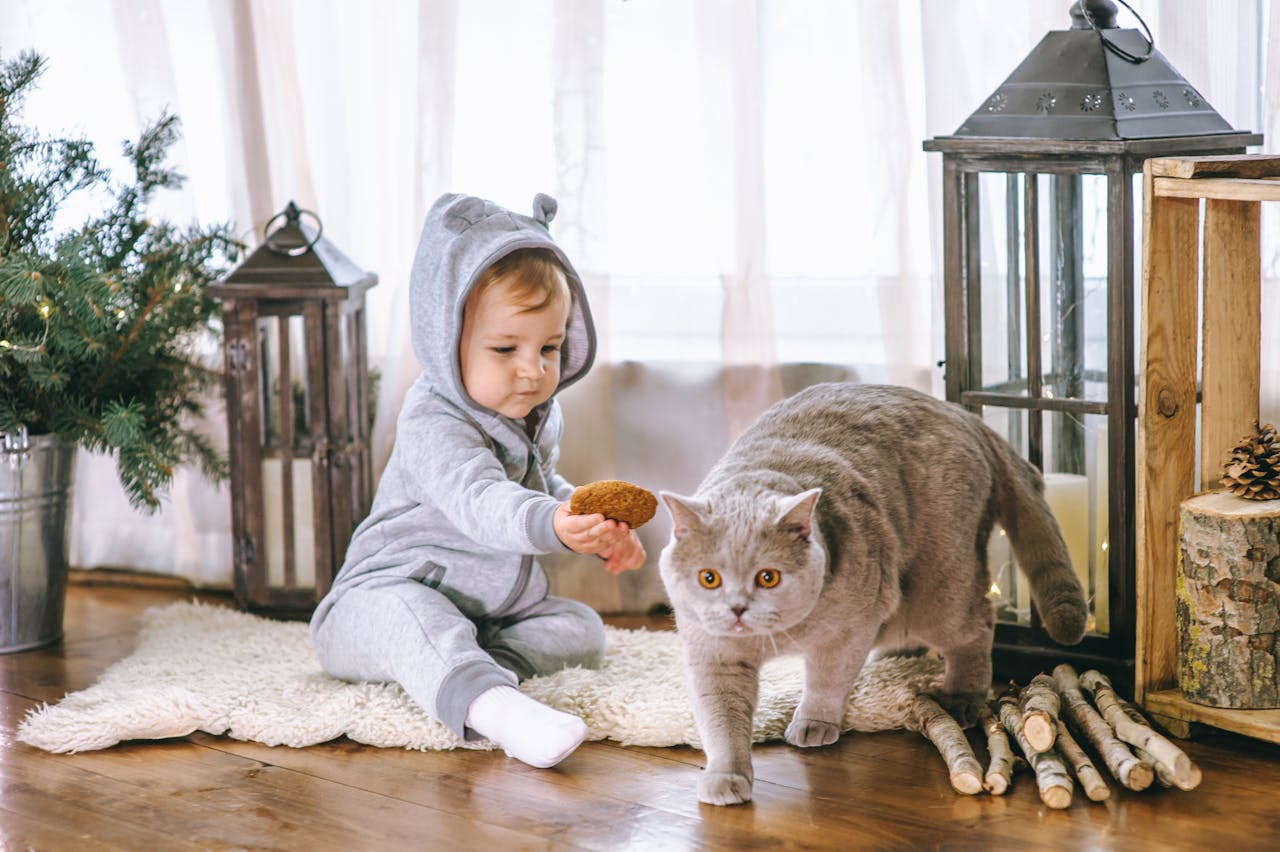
x=440 y=591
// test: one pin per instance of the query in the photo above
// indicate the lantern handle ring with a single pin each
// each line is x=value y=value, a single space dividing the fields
x=1112 y=46
x=293 y=216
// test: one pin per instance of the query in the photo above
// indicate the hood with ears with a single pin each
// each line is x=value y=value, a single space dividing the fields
x=462 y=237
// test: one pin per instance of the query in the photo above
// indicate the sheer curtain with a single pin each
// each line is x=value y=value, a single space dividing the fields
x=741 y=184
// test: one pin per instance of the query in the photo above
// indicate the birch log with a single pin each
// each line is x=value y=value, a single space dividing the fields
x=945 y=733
x=1040 y=706
x=1052 y=777
x=1164 y=773
x=1088 y=723
x=1228 y=607
x=1095 y=787
x=1137 y=733
x=1000 y=770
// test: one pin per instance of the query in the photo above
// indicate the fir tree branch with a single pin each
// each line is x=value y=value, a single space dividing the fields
x=157 y=293
x=121 y=298
x=176 y=248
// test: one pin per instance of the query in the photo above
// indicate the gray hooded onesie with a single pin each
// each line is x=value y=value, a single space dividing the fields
x=440 y=591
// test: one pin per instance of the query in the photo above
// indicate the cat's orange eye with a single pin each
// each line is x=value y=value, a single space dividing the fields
x=709 y=579
x=767 y=578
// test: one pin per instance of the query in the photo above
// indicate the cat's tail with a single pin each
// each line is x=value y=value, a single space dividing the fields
x=1020 y=507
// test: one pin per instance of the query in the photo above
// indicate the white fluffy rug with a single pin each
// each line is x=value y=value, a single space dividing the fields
x=206 y=668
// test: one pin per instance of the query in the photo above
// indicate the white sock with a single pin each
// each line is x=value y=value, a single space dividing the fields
x=526 y=729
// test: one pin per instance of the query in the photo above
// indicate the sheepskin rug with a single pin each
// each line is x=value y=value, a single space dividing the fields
x=198 y=667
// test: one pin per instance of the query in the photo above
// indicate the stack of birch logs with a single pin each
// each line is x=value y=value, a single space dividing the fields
x=1050 y=720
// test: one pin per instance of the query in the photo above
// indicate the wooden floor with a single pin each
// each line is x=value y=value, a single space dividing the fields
x=873 y=791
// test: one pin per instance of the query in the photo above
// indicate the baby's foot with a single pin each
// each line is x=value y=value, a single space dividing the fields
x=526 y=729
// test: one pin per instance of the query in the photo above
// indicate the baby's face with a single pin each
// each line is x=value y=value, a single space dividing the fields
x=510 y=355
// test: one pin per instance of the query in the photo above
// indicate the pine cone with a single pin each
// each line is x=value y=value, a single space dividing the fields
x=1252 y=470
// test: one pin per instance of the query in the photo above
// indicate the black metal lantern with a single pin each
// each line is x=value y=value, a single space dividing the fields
x=298 y=414
x=1038 y=280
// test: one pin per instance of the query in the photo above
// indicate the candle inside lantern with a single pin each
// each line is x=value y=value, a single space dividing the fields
x=1068 y=496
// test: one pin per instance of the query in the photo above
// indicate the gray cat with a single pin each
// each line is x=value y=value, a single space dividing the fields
x=849 y=518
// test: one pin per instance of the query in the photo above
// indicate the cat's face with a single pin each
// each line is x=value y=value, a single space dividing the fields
x=751 y=569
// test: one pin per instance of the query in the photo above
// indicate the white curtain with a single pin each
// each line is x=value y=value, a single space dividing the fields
x=741 y=184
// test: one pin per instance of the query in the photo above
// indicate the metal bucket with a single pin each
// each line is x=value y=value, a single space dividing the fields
x=35 y=497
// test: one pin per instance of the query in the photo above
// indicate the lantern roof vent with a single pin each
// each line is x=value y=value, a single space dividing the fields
x=1095 y=81
x=297 y=260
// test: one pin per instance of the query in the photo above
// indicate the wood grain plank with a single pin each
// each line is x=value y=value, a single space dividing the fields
x=22 y=830
x=1227 y=165
x=224 y=800
x=887 y=790
x=1166 y=422
x=566 y=805
x=1229 y=189
x=1232 y=330
x=100 y=628
x=1260 y=724
x=1230 y=165
x=658 y=806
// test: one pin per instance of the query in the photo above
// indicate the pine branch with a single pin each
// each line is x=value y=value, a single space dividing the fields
x=157 y=293
x=97 y=325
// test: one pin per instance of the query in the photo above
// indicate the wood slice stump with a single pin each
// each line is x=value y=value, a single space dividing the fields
x=1228 y=603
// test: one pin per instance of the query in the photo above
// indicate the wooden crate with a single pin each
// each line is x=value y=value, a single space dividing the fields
x=1175 y=252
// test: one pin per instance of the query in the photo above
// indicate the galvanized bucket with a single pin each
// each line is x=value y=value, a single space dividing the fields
x=35 y=497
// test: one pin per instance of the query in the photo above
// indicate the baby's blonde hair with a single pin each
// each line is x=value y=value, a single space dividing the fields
x=534 y=277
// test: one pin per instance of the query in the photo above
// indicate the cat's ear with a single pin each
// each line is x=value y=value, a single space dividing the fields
x=684 y=517
x=795 y=514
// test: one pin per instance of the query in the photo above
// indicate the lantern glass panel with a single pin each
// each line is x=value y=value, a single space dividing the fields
x=282 y=345
x=301 y=571
x=1009 y=591
x=1070 y=278
x=1043 y=241
x=289 y=548
x=1072 y=283
x=268 y=384
x=349 y=377
x=1099 y=473
x=1003 y=326
x=354 y=383
x=1010 y=424
x=1080 y=504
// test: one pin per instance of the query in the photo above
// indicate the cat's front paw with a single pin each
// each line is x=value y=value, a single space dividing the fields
x=724 y=788
x=811 y=732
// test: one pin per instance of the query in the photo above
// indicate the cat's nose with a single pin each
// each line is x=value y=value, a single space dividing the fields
x=738 y=610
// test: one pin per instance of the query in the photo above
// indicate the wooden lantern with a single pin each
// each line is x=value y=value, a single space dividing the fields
x=1039 y=185
x=298 y=413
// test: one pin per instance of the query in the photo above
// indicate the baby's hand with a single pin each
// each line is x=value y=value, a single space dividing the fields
x=596 y=534
x=627 y=554
x=585 y=533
